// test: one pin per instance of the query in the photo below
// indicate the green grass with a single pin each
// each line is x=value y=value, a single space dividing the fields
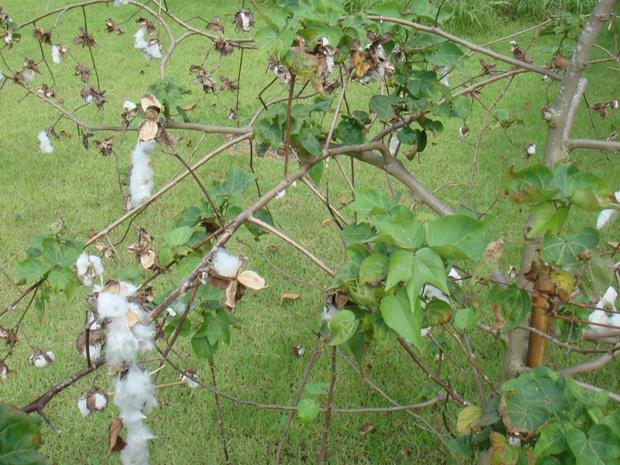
x=81 y=187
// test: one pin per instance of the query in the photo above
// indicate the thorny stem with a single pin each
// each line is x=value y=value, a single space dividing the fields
x=220 y=423
x=329 y=408
x=315 y=351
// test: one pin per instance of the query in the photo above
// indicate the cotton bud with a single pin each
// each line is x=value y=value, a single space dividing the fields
x=42 y=358
x=464 y=131
x=92 y=400
x=188 y=378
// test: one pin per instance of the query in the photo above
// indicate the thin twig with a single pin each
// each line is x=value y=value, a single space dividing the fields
x=220 y=423
x=329 y=408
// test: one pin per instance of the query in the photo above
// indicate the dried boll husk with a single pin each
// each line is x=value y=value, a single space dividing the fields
x=95 y=338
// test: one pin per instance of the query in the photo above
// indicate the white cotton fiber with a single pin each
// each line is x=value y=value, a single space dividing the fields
x=94 y=350
x=136 y=451
x=605 y=217
x=144 y=335
x=141 y=179
x=83 y=407
x=140 y=43
x=443 y=72
x=82 y=264
x=127 y=289
x=120 y=2
x=111 y=305
x=55 y=54
x=225 y=264
x=46 y=144
x=122 y=347
x=153 y=50
x=135 y=392
x=128 y=105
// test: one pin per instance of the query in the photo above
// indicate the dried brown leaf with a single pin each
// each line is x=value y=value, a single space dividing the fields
x=115 y=441
x=85 y=39
x=111 y=26
x=44 y=36
x=288 y=297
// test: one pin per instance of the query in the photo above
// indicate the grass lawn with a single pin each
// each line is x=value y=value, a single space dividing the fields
x=81 y=187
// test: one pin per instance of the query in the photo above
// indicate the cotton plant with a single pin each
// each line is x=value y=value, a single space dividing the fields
x=88 y=268
x=128 y=336
x=45 y=143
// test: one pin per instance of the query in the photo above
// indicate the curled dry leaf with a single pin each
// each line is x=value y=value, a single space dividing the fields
x=44 y=36
x=84 y=39
x=288 y=297
x=150 y=27
x=104 y=146
x=251 y=280
x=230 y=295
x=367 y=429
x=326 y=222
x=115 y=441
x=83 y=72
x=111 y=26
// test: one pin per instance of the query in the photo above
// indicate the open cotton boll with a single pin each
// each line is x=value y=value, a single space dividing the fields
x=140 y=43
x=225 y=264
x=122 y=346
x=456 y=277
x=111 y=305
x=127 y=289
x=83 y=407
x=128 y=105
x=136 y=451
x=429 y=291
x=27 y=77
x=328 y=313
x=45 y=143
x=609 y=299
x=443 y=72
x=135 y=392
x=144 y=334
x=153 y=50
x=97 y=266
x=120 y=2
x=55 y=54
x=1 y=76
x=94 y=350
x=82 y=264
x=141 y=179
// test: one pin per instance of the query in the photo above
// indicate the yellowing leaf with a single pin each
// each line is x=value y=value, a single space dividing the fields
x=467 y=420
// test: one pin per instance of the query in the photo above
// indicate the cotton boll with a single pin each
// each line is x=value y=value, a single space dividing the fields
x=153 y=49
x=426 y=330
x=95 y=263
x=328 y=313
x=140 y=43
x=82 y=264
x=120 y=2
x=27 y=77
x=94 y=350
x=144 y=334
x=456 y=277
x=55 y=54
x=429 y=291
x=141 y=179
x=83 y=407
x=127 y=289
x=122 y=346
x=41 y=358
x=1 y=76
x=280 y=195
x=46 y=144
x=128 y=105
x=111 y=305
x=609 y=299
x=135 y=392
x=605 y=217
x=225 y=264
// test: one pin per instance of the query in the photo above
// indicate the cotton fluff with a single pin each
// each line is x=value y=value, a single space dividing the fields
x=46 y=144
x=141 y=179
x=88 y=267
x=136 y=451
x=1 y=76
x=55 y=54
x=27 y=77
x=111 y=305
x=135 y=392
x=600 y=315
x=225 y=264
x=607 y=215
x=120 y=2
x=127 y=289
x=152 y=50
x=394 y=144
x=94 y=350
x=128 y=105
x=140 y=43
x=42 y=359
x=443 y=72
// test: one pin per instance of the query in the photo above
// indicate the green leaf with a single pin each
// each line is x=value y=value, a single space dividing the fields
x=428 y=268
x=307 y=410
x=436 y=313
x=549 y=217
x=552 y=441
x=30 y=270
x=236 y=182
x=368 y=202
x=268 y=133
x=203 y=349
x=403 y=231
x=513 y=305
x=458 y=237
x=466 y=319
x=588 y=191
x=63 y=279
x=598 y=275
x=302 y=63
x=178 y=236
x=215 y=327
x=316 y=389
x=446 y=55
x=357 y=233
x=566 y=252
x=398 y=314
x=400 y=269
x=20 y=438
x=373 y=269
x=597 y=448
x=342 y=325
x=165 y=256
x=131 y=274
x=384 y=336
x=316 y=173
x=562 y=172
x=55 y=254
x=382 y=106
x=188 y=264
x=274 y=42
x=532 y=184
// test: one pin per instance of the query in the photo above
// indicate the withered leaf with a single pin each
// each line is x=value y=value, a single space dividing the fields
x=487 y=68
x=227 y=84
x=83 y=72
x=44 y=36
x=45 y=90
x=326 y=222
x=224 y=47
x=204 y=78
x=115 y=440
x=104 y=146
x=367 y=429
x=129 y=115
x=215 y=25
x=188 y=107
x=85 y=39
x=90 y=94
x=344 y=200
x=111 y=26
x=65 y=133
x=31 y=65
x=85 y=137
x=150 y=27
x=288 y=297
x=560 y=63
